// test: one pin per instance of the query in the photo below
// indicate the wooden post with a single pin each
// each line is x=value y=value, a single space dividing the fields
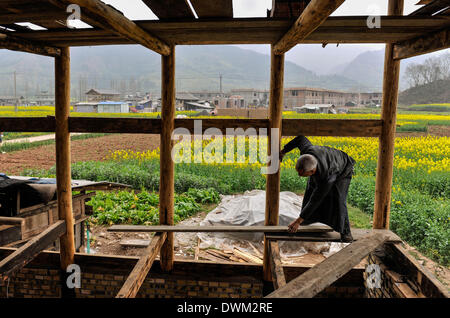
x=63 y=175
x=273 y=180
x=166 y=181
x=387 y=138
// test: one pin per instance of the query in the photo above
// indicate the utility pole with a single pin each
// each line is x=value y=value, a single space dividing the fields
x=15 y=92
x=220 y=80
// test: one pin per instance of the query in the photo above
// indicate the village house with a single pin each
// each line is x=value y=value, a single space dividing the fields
x=102 y=95
x=252 y=97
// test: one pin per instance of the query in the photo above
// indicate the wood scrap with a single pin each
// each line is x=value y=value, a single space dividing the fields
x=214 y=253
x=197 y=249
x=257 y=252
x=248 y=257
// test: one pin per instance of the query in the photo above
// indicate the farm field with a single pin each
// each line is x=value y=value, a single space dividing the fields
x=421 y=191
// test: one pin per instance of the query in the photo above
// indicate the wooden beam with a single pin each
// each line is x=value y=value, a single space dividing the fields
x=330 y=270
x=290 y=127
x=385 y=161
x=220 y=229
x=278 y=278
x=314 y=15
x=170 y=9
x=137 y=276
x=213 y=9
x=22 y=256
x=352 y=29
x=425 y=44
x=431 y=8
x=111 y=19
x=273 y=179
x=63 y=174
x=166 y=180
x=15 y=44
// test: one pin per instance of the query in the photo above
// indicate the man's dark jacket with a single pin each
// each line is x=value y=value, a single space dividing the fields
x=325 y=199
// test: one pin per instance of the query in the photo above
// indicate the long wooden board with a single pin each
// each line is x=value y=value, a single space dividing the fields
x=180 y=228
x=170 y=9
x=290 y=127
x=27 y=252
x=331 y=269
x=137 y=276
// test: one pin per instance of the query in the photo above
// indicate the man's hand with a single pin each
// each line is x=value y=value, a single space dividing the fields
x=293 y=227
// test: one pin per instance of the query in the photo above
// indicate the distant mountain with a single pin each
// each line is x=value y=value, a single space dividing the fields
x=126 y=68
x=435 y=92
x=367 y=69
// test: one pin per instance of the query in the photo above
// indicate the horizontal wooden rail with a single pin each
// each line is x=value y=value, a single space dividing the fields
x=222 y=228
x=291 y=127
x=22 y=256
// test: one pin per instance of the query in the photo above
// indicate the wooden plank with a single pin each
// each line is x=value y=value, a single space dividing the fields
x=12 y=43
x=314 y=15
x=111 y=19
x=290 y=127
x=220 y=229
x=276 y=269
x=273 y=177
x=331 y=269
x=331 y=236
x=385 y=163
x=166 y=180
x=22 y=256
x=352 y=29
x=431 y=8
x=425 y=44
x=213 y=9
x=248 y=257
x=137 y=276
x=134 y=243
x=170 y=9
x=9 y=234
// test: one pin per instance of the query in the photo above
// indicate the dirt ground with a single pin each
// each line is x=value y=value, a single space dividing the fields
x=82 y=150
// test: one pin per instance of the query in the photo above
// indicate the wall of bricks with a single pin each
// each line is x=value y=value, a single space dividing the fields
x=385 y=289
x=103 y=276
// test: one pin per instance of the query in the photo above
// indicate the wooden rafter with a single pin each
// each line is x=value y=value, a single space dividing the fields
x=422 y=45
x=12 y=43
x=111 y=19
x=137 y=276
x=250 y=31
x=431 y=7
x=314 y=15
x=22 y=256
x=276 y=267
x=290 y=127
x=169 y=9
x=331 y=269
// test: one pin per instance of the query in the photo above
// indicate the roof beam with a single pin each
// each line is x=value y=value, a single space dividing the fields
x=314 y=15
x=111 y=19
x=12 y=43
x=422 y=45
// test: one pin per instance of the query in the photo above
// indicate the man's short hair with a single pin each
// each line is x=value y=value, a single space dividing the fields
x=306 y=163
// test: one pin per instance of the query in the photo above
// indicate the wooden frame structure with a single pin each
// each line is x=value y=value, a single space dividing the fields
x=426 y=30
